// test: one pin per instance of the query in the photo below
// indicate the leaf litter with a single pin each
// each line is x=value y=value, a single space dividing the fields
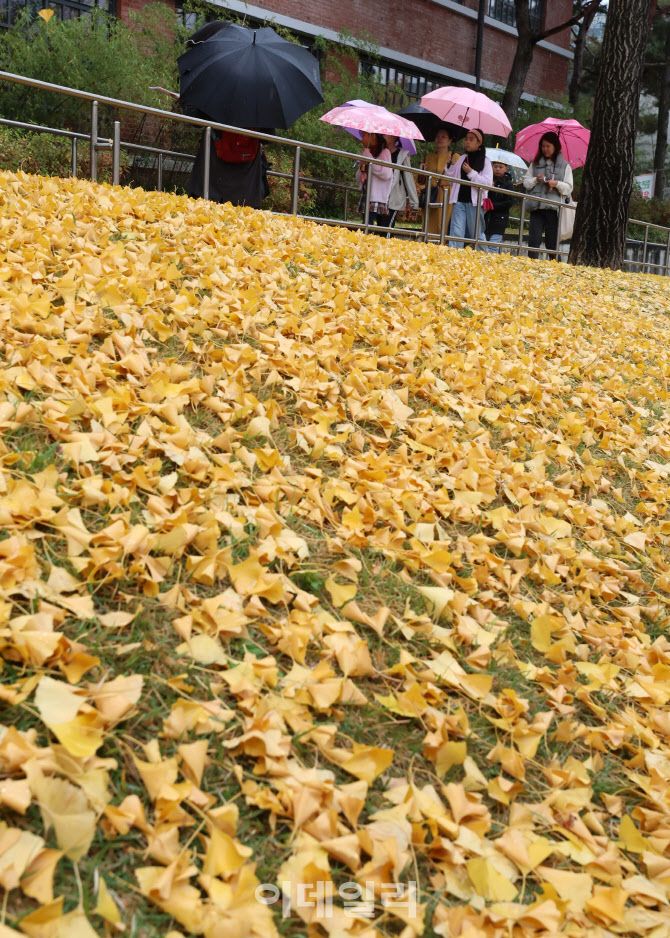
x=329 y=565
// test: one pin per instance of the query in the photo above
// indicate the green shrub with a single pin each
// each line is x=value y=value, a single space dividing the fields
x=279 y=200
x=94 y=53
x=656 y=211
x=45 y=155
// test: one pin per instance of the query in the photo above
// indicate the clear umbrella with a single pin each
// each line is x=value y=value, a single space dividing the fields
x=516 y=166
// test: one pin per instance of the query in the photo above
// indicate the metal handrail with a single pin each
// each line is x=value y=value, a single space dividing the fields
x=115 y=145
x=104 y=142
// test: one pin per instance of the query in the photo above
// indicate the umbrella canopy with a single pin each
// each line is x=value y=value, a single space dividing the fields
x=372 y=119
x=406 y=143
x=514 y=163
x=249 y=78
x=574 y=139
x=429 y=124
x=469 y=109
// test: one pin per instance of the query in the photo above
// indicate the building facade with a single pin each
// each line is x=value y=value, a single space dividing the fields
x=422 y=44
x=427 y=43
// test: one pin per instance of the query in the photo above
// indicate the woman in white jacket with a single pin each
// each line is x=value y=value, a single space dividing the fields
x=474 y=166
x=403 y=186
x=381 y=177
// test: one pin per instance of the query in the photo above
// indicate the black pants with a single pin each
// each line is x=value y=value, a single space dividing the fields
x=543 y=220
x=381 y=221
x=388 y=221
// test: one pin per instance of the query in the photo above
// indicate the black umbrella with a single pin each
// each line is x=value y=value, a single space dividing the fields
x=249 y=78
x=429 y=124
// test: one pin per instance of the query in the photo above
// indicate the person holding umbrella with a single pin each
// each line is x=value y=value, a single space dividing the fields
x=549 y=176
x=477 y=114
x=403 y=186
x=371 y=124
x=381 y=177
x=237 y=170
x=436 y=162
x=249 y=78
x=474 y=166
x=240 y=179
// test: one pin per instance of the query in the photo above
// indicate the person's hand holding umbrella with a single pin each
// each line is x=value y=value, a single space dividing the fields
x=173 y=94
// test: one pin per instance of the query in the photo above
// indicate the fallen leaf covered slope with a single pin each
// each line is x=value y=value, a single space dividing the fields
x=326 y=559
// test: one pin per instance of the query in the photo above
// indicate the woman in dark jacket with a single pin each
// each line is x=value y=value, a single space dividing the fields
x=239 y=181
x=497 y=215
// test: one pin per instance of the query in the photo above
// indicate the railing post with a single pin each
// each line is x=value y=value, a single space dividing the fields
x=667 y=255
x=644 y=247
x=426 y=218
x=558 y=231
x=116 y=154
x=478 y=218
x=522 y=219
x=159 y=182
x=295 y=182
x=74 y=157
x=94 y=141
x=366 y=216
x=346 y=205
x=205 y=169
x=443 y=220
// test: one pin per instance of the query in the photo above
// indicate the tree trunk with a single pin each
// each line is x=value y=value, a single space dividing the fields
x=523 y=59
x=599 y=238
x=662 y=132
x=525 y=47
x=578 y=63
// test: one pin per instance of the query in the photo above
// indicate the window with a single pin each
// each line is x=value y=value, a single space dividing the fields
x=64 y=9
x=189 y=18
x=394 y=81
x=503 y=10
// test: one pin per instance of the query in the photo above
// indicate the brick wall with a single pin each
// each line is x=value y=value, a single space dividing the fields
x=436 y=34
x=124 y=7
x=557 y=12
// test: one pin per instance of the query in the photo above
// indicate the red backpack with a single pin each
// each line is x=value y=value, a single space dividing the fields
x=236 y=148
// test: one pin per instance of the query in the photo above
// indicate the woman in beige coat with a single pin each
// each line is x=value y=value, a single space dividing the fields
x=437 y=162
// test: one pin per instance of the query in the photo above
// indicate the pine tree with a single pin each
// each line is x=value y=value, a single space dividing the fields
x=599 y=237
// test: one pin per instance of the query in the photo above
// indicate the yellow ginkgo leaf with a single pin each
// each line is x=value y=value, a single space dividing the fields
x=489 y=883
x=340 y=593
x=105 y=906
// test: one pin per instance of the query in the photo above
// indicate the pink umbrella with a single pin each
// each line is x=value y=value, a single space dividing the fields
x=373 y=119
x=406 y=143
x=468 y=108
x=574 y=139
